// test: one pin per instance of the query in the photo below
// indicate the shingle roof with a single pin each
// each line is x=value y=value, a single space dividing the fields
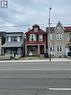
x=39 y=31
x=12 y=44
x=67 y=28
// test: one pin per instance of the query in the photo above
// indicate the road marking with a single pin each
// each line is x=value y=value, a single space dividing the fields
x=59 y=89
x=14 y=69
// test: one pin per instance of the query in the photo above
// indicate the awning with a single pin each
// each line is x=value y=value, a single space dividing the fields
x=14 y=44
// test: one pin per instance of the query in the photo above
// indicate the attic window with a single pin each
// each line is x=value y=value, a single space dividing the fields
x=35 y=29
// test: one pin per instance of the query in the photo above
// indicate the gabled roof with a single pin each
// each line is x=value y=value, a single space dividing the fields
x=67 y=28
x=40 y=31
x=59 y=25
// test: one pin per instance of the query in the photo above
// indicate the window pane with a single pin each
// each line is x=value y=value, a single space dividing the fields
x=60 y=48
x=40 y=38
x=18 y=39
x=57 y=48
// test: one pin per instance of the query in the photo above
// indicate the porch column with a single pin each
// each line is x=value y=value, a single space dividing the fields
x=25 y=49
x=2 y=51
x=38 y=49
x=44 y=48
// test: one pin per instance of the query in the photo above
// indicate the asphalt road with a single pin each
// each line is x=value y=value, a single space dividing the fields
x=28 y=78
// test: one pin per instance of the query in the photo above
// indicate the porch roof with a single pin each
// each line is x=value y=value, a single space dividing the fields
x=14 y=44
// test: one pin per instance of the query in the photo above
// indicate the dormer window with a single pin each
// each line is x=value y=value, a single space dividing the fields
x=35 y=29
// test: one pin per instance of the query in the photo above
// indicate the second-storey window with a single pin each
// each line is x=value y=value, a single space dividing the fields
x=59 y=36
x=40 y=38
x=32 y=37
x=14 y=39
x=9 y=39
x=51 y=37
x=18 y=39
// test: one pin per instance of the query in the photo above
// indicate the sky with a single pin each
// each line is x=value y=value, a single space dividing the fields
x=23 y=14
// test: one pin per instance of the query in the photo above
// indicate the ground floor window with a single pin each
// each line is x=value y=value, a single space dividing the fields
x=59 y=48
x=69 y=48
x=35 y=50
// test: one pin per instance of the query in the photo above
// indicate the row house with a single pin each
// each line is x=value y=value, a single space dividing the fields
x=35 y=42
x=2 y=40
x=59 y=40
x=13 y=44
x=67 y=41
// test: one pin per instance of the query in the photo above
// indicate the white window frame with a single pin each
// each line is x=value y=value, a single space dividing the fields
x=9 y=39
x=51 y=37
x=18 y=39
x=59 y=36
x=51 y=48
x=59 y=48
x=32 y=37
x=35 y=29
x=40 y=37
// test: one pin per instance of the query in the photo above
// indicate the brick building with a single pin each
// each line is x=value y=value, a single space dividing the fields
x=35 y=42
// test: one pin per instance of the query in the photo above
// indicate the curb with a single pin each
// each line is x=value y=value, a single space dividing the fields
x=11 y=61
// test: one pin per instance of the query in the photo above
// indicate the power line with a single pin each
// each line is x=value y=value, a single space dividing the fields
x=27 y=25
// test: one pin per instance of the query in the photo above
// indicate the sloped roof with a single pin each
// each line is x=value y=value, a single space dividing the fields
x=31 y=31
x=67 y=28
x=12 y=44
x=40 y=31
x=51 y=29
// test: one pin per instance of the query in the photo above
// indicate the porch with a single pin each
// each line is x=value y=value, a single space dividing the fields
x=32 y=50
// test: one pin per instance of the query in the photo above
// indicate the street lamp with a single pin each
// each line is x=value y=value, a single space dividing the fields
x=49 y=33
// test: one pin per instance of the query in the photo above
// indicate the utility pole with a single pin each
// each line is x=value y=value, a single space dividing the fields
x=49 y=33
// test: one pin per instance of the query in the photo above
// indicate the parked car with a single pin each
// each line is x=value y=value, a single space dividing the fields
x=69 y=53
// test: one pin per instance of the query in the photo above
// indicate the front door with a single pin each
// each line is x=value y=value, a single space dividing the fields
x=41 y=49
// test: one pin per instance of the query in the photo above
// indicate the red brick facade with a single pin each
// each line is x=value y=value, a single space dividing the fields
x=35 y=42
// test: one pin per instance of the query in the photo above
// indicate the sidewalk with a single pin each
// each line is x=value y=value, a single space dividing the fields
x=46 y=60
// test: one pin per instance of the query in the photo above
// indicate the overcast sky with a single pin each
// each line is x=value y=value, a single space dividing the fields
x=25 y=13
